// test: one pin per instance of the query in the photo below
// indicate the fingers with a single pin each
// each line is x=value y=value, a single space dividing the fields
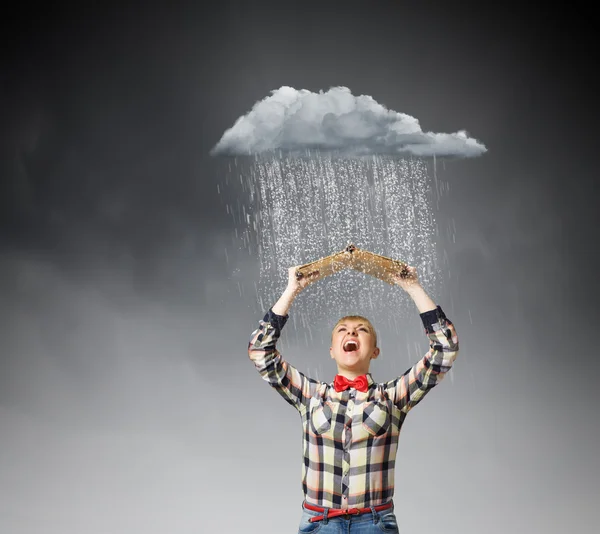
x=309 y=278
x=295 y=274
x=406 y=276
x=406 y=271
x=299 y=274
x=298 y=280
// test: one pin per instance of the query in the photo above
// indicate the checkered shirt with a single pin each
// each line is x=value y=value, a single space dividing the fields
x=350 y=438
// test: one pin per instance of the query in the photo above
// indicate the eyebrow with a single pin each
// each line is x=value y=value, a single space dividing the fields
x=360 y=324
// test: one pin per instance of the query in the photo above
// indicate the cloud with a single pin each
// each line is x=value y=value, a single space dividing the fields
x=336 y=121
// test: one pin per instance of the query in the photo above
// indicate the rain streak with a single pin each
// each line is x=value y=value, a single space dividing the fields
x=302 y=208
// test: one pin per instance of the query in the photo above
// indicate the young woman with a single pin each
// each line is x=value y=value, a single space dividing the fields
x=351 y=425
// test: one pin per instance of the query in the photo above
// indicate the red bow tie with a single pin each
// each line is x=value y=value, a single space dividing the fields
x=340 y=383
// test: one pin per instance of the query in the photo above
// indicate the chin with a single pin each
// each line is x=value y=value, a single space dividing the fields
x=351 y=364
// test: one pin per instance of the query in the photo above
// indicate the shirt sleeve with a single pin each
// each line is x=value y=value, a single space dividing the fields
x=291 y=384
x=408 y=390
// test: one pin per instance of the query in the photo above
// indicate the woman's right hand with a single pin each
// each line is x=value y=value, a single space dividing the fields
x=296 y=285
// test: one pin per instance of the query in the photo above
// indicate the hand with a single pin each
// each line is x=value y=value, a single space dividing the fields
x=407 y=278
x=296 y=285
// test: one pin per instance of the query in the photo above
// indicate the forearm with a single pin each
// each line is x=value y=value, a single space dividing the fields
x=290 y=383
x=282 y=306
x=421 y=299
x=414 y=384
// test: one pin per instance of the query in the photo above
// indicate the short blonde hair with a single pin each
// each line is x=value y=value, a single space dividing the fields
x=357 y=318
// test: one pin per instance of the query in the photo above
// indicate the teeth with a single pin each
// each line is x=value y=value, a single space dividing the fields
x=350 y=346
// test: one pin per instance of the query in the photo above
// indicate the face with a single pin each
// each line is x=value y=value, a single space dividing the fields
x=353 y=347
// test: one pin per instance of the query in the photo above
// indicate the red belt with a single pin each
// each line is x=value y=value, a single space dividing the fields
x=334 y=512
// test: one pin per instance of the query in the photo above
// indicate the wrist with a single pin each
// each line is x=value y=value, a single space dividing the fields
x=282 y=306
x=422 y=300
x=414 y=289
x=291 y=293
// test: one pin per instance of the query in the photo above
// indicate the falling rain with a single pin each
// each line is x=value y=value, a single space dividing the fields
x=302 y=208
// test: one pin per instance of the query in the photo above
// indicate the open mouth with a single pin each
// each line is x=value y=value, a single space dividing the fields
x=350 y=346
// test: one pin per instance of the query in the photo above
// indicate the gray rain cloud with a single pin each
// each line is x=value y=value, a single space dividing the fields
x=294 y=120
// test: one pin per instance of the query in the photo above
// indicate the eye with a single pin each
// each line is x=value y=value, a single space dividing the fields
x=364 y=329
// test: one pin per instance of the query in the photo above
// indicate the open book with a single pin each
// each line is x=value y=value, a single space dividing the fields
x=354 y=258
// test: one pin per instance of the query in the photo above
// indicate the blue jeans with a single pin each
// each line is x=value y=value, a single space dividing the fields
x=369 y=523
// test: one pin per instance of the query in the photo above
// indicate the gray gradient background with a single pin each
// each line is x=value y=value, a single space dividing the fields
x=123 y=330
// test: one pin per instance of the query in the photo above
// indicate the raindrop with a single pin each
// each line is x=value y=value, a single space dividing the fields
x=308 y=207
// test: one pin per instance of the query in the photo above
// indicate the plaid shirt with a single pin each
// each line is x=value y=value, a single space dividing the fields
x=350 y=438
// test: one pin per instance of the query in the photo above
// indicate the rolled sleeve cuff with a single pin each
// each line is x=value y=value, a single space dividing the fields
x=433 y=319
x=276 y=321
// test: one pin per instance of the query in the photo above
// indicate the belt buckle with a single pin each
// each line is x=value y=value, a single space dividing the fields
x=348 y=514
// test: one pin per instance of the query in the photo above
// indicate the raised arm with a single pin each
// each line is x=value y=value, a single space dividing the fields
x=290 y=383
x=408 y=389
x=409 y=281
x=293 y=289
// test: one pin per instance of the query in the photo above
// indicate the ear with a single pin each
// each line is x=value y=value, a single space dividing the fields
x=331 y=352
x=376 y=352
